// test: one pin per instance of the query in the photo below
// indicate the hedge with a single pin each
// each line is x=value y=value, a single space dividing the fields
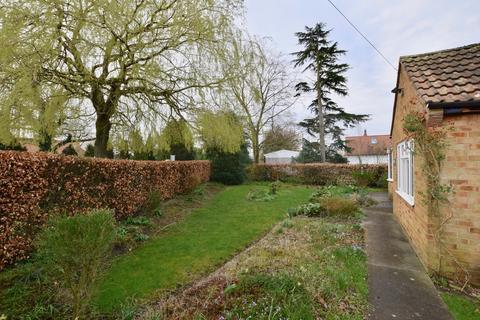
x=313 y=173
x=35 y=185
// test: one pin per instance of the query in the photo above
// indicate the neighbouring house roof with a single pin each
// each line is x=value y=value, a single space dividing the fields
x=446 y=76
x=282 y=154
x=368 y=145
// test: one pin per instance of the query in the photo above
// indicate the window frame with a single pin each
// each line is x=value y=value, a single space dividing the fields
x=389 y=165
x=405 y=171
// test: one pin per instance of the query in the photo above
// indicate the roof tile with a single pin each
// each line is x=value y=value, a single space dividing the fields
x=446 y=76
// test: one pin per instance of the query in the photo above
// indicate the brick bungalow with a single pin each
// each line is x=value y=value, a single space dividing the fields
x=445 y=85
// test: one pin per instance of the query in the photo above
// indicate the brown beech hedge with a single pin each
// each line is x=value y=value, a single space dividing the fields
x=314 y=173
x=36 y=185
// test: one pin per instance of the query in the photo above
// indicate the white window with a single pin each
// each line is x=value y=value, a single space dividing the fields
x=405 y=183
x=390 y=165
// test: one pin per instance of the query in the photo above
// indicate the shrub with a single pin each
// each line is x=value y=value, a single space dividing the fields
x=69 y=151
x=362 y=199
x=153 y=203
x=138 y=221
x=274 y=186
x=90 y=151
x=363 y=178
x=320 y=194
x=312 y=210
x=382 y=181
x=340 y=206
x=313 y=173
x=228 y=168
x=75 y=250
x=258 y=194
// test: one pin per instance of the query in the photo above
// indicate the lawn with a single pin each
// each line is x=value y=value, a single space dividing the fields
x=196 y=245
x=461 y=307
x=305 y=268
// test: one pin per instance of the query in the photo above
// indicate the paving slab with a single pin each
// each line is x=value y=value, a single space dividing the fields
x=399 y=287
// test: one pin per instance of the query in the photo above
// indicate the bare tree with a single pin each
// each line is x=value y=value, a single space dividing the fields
x=260 y=91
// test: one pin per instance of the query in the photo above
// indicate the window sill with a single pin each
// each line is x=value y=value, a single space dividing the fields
x=408 y=199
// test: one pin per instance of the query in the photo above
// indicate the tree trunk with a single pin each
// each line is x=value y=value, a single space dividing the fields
x=102 y=126
x=256 y=151
x=321 y=122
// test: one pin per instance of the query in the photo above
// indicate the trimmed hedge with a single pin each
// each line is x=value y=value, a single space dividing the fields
x=35 y=185
x=313 y=173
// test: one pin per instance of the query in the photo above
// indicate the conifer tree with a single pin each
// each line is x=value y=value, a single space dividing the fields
x=320 y=56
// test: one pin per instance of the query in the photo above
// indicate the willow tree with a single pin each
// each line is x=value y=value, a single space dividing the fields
x=321 y=57
x=29 y=108
x=261 y=89
x=126 y=58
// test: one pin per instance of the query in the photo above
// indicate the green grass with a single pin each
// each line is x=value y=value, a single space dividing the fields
x=461 y=307
x=205 y=239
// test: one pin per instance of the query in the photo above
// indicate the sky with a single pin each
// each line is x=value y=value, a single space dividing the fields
x=396 y=28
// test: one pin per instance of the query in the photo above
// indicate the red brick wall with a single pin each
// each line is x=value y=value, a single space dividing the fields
x=413 y=219
x=461 y=169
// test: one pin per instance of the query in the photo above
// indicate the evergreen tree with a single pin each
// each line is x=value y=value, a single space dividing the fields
x=320 y=56
x=310 y=153
x=177 y=139
x=228 y=168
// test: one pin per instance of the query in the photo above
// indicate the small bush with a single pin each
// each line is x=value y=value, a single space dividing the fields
x=340 y=206
x=360 y=196
x=312 y=210
x=90 y=151
x=274 y=186
x=292 y=212
x=75 y=251
x=69 y=151
x=258 y=194
x=382 y=181
x=364 y=178
x=154 y=201
x=140 y=237
x=138 y=221
x=320 y=194
x=158 y=212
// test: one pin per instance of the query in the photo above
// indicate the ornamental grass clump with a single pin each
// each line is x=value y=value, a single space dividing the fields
x=340 y=206
x=329 y=201
x=75 y=251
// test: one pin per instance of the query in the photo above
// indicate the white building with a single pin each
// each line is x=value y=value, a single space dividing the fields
x=368 y=149
x=281 y=157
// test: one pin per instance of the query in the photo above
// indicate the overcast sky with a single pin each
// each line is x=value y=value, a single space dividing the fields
x=396 y=27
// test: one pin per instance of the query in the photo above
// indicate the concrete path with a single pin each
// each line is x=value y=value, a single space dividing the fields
x=399 y=288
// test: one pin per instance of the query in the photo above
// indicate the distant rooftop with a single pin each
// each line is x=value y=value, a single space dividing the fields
x=446 y=76
x=368 y=145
